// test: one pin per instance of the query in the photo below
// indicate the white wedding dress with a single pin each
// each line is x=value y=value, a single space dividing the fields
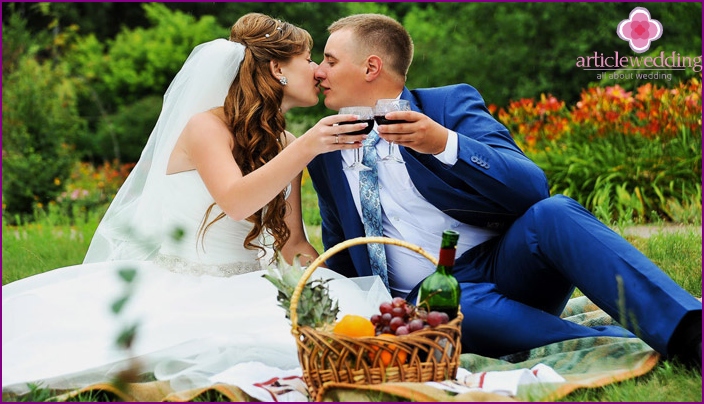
x=201 y=308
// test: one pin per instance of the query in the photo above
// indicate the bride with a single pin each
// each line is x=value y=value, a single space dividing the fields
x=220 y=170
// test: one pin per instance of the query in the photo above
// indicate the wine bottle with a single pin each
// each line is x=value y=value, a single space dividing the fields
x=440 y=291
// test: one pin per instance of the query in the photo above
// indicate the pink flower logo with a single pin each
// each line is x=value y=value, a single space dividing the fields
x=639 y=30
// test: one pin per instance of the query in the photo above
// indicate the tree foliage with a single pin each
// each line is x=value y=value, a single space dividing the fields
x=39 y=122
x=141 y=61
x=515 y=50
x=121 y=76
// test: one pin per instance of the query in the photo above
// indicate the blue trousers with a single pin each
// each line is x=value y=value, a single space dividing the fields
x=515 y=287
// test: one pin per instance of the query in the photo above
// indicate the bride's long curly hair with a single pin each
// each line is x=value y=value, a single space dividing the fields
x=253 y=111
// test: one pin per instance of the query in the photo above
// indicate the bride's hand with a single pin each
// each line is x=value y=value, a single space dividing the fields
x=333 y=133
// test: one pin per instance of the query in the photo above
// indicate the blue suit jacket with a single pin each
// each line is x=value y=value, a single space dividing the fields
x=491 y=184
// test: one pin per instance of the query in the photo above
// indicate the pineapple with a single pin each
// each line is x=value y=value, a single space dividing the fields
x=315 y=306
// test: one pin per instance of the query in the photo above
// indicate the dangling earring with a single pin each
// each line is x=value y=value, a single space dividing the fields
x=283 y=81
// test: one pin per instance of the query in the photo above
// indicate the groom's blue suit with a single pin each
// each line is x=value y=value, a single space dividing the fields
x=515 y=286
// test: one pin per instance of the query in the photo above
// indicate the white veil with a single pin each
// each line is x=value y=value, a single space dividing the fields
x=132 y=227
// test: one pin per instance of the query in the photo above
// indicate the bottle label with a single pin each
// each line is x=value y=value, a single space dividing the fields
x=447 y=257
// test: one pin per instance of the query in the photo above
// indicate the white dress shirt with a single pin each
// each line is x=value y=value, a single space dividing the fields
x=408 y=216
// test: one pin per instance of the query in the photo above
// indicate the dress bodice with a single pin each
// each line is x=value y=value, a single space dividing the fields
x=220 y=251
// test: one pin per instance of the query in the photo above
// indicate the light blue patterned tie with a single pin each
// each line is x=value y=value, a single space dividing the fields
x=371 y=208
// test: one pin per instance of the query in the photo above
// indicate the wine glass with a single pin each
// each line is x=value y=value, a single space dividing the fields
x=365 y=114
x=382 y=107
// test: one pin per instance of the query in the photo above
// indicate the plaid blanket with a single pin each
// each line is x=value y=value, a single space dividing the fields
x=583 y=363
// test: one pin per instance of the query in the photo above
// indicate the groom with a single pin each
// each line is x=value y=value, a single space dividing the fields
x=521 y=253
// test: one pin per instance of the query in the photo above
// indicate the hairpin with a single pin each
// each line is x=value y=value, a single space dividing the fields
x=277 y=28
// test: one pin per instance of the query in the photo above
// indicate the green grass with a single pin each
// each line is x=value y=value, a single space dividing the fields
x=39 y=247
x=668 y=382
x=668 y=251
x=51 y=243
x=311 y=214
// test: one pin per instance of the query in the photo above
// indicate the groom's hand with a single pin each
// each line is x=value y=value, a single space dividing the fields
x=419 y=132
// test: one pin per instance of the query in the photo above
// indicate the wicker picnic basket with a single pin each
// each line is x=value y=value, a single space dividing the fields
x=329 y=359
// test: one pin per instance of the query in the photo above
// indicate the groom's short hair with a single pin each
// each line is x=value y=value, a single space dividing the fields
x=381 y=35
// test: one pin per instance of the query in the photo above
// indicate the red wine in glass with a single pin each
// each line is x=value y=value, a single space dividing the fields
x=364 y=131
x=365 y=114
x=381 y=120
x=383 y=107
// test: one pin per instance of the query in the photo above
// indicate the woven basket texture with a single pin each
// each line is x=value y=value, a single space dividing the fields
x=431 y=354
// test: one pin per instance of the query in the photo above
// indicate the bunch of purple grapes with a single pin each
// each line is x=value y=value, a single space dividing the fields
x=399 y=317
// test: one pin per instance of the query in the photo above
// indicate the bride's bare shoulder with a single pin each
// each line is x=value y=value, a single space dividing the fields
x=210 y=118
x=208 y=124
x=203 y=132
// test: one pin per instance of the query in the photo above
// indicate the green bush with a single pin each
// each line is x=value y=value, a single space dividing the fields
x=522 y=49
x=121 y=77
x=628 y=178
x=626 y=156
x=89 y=189
x=39 y=120
x=141 y=61
x=121 y=136
x=17 y=39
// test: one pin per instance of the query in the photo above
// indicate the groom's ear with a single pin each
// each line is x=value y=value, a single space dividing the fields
x=373 y=66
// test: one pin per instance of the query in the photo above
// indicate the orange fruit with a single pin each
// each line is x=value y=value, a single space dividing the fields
x=387 y=352
x=353 y=325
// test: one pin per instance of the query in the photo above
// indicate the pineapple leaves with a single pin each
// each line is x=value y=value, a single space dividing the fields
x=315 y=306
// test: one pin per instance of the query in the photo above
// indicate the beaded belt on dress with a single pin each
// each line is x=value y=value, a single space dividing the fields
x=183 y=266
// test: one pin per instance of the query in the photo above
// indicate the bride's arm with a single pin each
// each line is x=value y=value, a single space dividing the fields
x=298 y=242
x=208 y=143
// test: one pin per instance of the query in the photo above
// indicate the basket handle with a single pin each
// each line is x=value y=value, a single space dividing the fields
x=334 y=250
